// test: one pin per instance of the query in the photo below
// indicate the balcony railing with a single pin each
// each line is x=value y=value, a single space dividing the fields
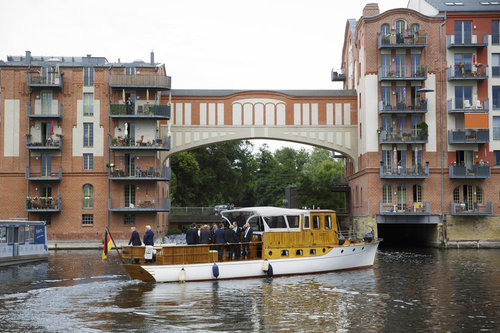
x=47 y=144
x=459 y=72
x=416 y=171
x=38 y=176
x=31 y=115
x=471 y=208
x=474 y=171
x=148 y=111
x=477 y=106
x=395 y=136
x=406 y=73
x=468 y=136
x=412 y=208
x=52 y=80
x=120 y=143
x=139 y=205
x=140 y=81
x=43 y=205
x=468 y=41
x=403 y=40
x=402 y=108
x=141 y=174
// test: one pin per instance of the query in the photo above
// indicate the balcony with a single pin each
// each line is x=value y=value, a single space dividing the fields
x=141 y=174
x=141 y=206
x=402 y=108
x=477 y=106
x=38 y=176
x=146 y=111
x=467 y=41
x=471 y=208
x=461 y=73
x=404 y=74
x=416 y=171
x=43 y=205
x=407 y=209
x=47 y=144
x=468 y=136
x=402 y=41
x=120 y=143
x=52 y=80
x=140 y=81
x=395 y=136
x=35 y=116
x=473 y=171
x=338 y=75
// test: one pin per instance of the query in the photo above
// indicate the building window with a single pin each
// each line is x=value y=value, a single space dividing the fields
x=386 y=97
x=88 y=161
x=463 y=32
x=463 y=64
x=387 y=194
x=400 y=94
x=46 y=99
x=88 y=104
x=415 y=66
x=495 y=32
x=46 y=161
x=495 y=64
x=456 y=195
x=88 y=196
x=400 y=65
x=400 y=31
x=463 y=97
x=417 y=193
x=496 y=128
x=479 y=196
x=88 y=219
x=88 y=76
x=496 y=97
x=496 y=157
x=414 y=28
x=46 y=218
x=88 y=134
x=130 y=71
x=402 y=197
x=385 y=61
x=130 y=195
x=129 y=219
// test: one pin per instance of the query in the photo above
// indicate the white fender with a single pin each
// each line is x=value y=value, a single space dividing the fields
x=265 y=265
x=182 y=275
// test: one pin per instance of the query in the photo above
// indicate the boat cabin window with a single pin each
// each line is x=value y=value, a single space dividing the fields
x=256 y=223
x=293 y=221
x=298 y=252
x=10 y=235
x=30 y=234
x=21 y=235
x=275 y=222
x=284 y=253
x=312 y=251
x=3 y=234
x=328 y=222
x=307 y=225
x=316 y=222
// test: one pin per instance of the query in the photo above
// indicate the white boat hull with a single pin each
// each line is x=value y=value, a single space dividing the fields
x=338 y=258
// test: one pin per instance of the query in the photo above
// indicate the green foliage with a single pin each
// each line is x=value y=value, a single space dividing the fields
x=174 y=231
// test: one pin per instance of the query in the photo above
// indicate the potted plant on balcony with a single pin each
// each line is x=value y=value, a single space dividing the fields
x=424 y=129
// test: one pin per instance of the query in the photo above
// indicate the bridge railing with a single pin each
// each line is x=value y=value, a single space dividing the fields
x=192 y=211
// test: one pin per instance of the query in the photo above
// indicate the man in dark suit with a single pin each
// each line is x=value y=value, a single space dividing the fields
x=205 y=235
x=135 y=239
x=237 y=240
x=192 y=235
x=247 y=238
x=219 y=240
x=148 y=236
x=230 y=237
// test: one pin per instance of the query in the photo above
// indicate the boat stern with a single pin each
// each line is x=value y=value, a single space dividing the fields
x=136 y=272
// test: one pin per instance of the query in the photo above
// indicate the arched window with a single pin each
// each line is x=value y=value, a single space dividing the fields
x=387 y=194
x=385 y=29
x=400 y=31
x=88 y=196
x=129 y=195
x=414 y=28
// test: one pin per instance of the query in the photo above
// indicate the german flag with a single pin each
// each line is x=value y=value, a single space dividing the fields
x=108 y=244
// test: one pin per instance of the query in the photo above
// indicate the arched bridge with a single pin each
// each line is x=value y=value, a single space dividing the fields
x=322 y=118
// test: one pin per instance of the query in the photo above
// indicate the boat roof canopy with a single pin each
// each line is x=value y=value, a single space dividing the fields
x=272 y=211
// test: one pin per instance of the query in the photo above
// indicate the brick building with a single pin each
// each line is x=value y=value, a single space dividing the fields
x=74 y=154
x=427 y=84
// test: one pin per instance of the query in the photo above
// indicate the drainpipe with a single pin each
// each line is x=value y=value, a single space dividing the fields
x=109 y=153
x=443 y=217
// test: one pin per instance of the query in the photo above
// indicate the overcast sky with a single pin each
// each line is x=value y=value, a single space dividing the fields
x=208 y=44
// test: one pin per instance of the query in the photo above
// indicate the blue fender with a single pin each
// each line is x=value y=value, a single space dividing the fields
x=270 y=271
x=215 y=270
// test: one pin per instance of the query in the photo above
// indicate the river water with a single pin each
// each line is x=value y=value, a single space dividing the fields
x=407 y=290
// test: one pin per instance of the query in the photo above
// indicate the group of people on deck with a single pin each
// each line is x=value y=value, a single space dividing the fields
x=135 y=239
x=233 y=240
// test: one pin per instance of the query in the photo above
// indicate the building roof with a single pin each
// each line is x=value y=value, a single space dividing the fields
x=227 y=92
x=465 y=5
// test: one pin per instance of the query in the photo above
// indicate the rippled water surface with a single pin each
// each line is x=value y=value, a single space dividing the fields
x=417 y=290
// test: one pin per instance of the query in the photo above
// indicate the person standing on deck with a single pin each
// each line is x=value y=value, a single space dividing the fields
x=135 y=239
x=148 y=236
x=205 y=235
x=192 y=235
x=247 y=238
x=219 y=240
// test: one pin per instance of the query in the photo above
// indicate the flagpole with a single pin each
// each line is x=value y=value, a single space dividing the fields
x=119 y=254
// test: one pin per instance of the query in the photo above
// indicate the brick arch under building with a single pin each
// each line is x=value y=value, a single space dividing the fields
x=321 y=118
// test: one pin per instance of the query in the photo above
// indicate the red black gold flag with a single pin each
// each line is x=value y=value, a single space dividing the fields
x=108 y=244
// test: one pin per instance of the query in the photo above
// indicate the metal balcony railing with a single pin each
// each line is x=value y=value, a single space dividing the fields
x=420 y=107
x=141 y=174
x=30 y=114
x=43 y=176
x=402 y=40
x=124 y=143
x=406 y=73
x=43 y=204
x=46 y=144
x=473 y=171
x=459 y=72
x=468 y=136
x=139 y=205
x=416 y=171
x=476 y=106
x=479 y=39
x=140 y=81
x=153 y=111
x=411 y=208
x=396 y=136
x=471 y=208
x=51 y=80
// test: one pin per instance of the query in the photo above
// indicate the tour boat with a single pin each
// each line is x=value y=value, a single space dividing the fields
x=285 y=242
x=22 y=241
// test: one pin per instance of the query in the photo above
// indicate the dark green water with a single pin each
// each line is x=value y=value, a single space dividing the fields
x=414 y=290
